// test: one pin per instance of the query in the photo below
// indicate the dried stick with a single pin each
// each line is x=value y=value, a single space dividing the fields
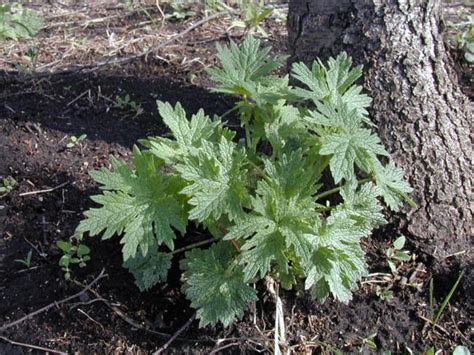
x=434 y=324
x=215 y=351
x=175 y=335
x=44 y=191
x=51 y=305
x=160 y=45
x=31 y=346
x=120 y=60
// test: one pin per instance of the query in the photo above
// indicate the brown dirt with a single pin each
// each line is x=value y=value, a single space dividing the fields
x=37 y=117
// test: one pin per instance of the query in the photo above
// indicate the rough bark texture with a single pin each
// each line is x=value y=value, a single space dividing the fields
x=422 y=116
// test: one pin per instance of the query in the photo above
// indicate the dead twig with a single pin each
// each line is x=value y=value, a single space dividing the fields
x=259 y=342
x=129 y=58
x=215 y=351
x=44 y=191
x=40 y=253
x=86 y=303
x=51 y=305
x=175 y=335
x=31 y=346
x=434 y=324
x=90 y=318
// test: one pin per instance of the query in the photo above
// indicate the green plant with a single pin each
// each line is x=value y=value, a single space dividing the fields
x=7 y=185
x=26 y=261
x=263 y=199
x=75 y=140
x=129 y=4
x=179 y=12
x=254 y=13
x=214 y=6
x=31 y=58
x=72 y=254
x=435 y=319
x=368 y=343
x=384 y=293
x=126 y=103
x=463 y=38
x=396 y=254
x=17 y=22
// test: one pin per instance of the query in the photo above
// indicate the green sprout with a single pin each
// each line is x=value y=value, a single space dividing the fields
x=7 y=185
x=26 y=261
x=126 y=103
x=73 y=254
x=75 y=140
x=396 y=254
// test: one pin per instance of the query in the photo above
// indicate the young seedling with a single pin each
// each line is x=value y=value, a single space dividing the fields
x=254 y=13
x=17 y=22
x=464 y=38
x=396 y=254
x=73 y=254
x=26 y=261
x=75 y=141
x=439 y=314
x=7 y=185
x=384 y=293
x=271 y=214
x=179 y=12
x=126 y=103
x=31 y=58
x=368 y=343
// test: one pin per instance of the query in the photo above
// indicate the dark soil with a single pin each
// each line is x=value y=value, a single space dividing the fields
x=37 y=119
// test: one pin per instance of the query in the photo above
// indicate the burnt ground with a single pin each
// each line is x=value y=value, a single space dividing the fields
x=37 y=118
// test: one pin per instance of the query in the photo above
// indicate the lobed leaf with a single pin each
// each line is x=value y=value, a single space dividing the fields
x=217 y=181
x=150 y=269
x=144 y=208
x=215 y=284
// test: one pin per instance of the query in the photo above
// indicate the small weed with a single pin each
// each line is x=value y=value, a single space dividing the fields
x=368 y=343
x=254 y=13
x=75 y=141
x=73 y=254
x=396 y=254
x=126 y=103
x=446 y=300
x=179 y=12
x=463 y=39
x=384 y=293
x=26 y=261
x=7 y=185
x=129 y=4
x=17 y=22
x=31 y=59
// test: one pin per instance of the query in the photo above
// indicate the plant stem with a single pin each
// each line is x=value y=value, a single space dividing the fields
x=248 y=139
x=260 y=172
x=337 y=189
x=257 y=168
x=194 y=245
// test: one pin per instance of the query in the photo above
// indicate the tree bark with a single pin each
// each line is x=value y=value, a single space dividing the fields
x=422 y=116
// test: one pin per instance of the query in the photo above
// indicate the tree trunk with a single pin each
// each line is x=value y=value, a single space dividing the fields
x=423 y=118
